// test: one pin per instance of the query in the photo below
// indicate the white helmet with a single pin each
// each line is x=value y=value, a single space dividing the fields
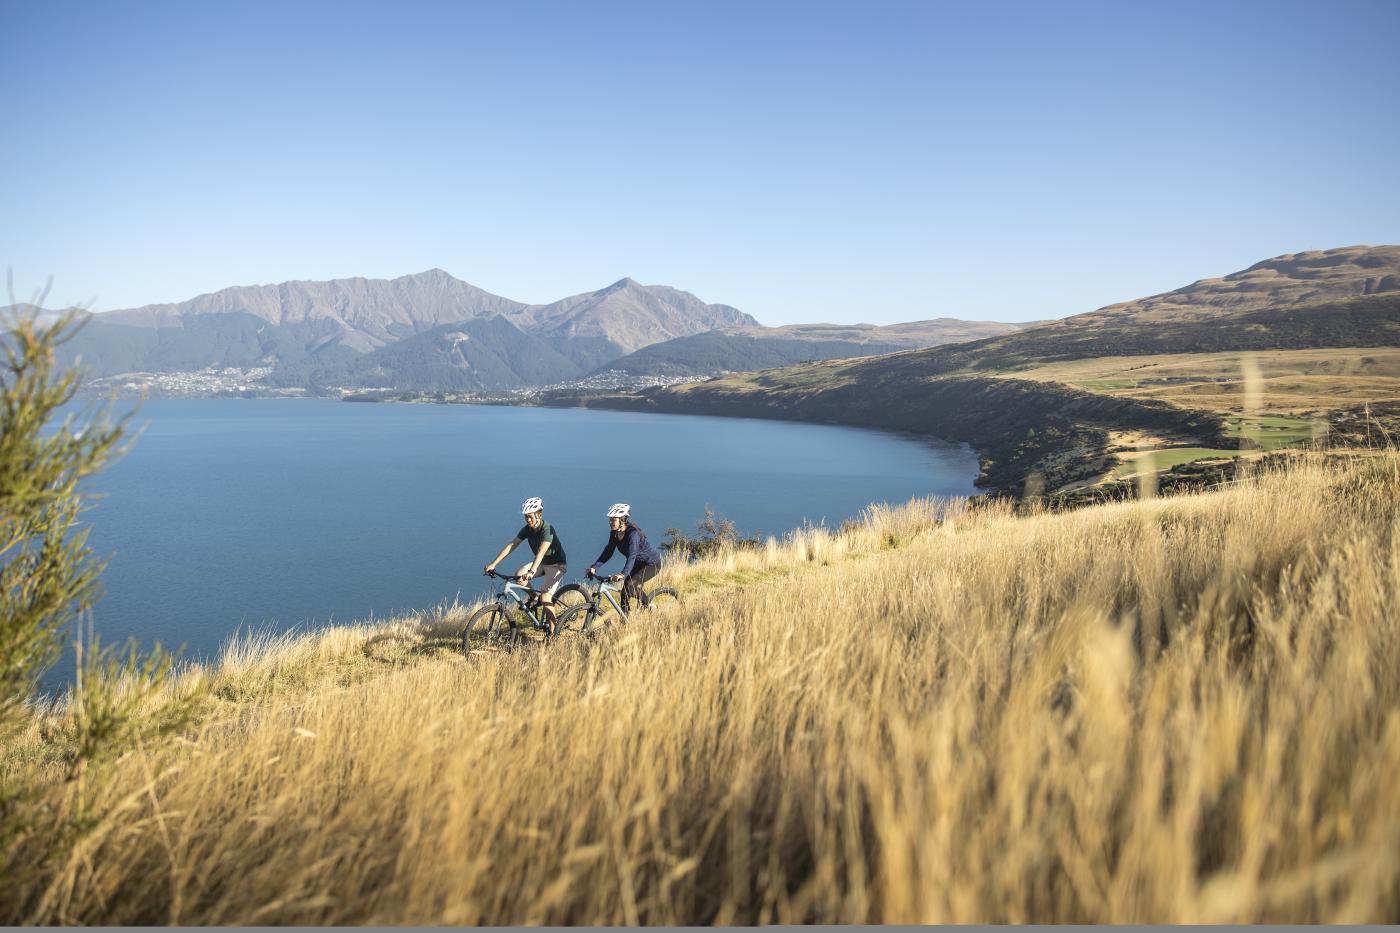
x=620 y=510
x=532 y=504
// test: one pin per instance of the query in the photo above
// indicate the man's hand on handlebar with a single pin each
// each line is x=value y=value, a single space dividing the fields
x=591 y=573
x=488 y=570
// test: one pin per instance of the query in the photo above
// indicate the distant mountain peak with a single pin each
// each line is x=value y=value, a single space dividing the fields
x=624 y=282
x=429 y=275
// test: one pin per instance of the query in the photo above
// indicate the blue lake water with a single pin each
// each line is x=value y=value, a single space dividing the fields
x=280 y=513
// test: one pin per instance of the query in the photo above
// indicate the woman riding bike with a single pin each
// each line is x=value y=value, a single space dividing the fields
x=643 y=561
x=548 y=562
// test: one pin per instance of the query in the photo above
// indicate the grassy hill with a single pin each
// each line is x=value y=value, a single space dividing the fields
x=1168 y=710
x=1057 y=407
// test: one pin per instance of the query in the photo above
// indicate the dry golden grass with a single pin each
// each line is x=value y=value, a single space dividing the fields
x=1292 y=381
x=1173 y=710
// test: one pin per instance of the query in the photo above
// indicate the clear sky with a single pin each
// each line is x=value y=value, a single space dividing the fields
x=803 y=161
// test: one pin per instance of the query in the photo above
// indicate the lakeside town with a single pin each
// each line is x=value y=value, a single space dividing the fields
x=235 y=382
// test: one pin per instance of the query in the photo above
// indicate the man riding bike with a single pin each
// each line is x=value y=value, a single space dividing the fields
x=643 y=561
x=548 y=564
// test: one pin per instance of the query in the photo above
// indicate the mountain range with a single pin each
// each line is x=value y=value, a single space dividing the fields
x=433 y=331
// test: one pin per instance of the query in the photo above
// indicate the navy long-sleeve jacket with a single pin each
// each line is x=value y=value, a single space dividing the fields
x=634 y=545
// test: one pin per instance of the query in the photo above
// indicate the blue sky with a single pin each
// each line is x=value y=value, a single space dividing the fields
x=867 y=161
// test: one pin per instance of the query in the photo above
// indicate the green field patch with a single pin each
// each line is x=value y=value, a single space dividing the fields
x=1173 y=456
x=1271 y=432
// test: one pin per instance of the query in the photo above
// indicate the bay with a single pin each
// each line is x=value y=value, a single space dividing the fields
x=230 y=514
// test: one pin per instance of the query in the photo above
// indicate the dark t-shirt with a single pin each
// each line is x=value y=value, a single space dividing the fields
x=537 y=536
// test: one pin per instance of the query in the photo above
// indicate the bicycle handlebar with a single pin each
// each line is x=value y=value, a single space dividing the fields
x=500 y=576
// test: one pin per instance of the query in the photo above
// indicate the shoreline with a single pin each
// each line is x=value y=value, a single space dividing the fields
x=1029 y=437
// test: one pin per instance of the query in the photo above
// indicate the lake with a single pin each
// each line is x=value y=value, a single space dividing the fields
x=269 y=513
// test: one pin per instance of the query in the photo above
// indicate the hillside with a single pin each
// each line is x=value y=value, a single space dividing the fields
x=739 y=349
x=912 y=334
x=1292 y=279
x=718 y=352
x=479 y=355
x=1038 y=426
x=1166 y=711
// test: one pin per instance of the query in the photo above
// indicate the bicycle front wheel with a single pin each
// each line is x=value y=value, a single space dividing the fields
x=663 y=596
x=489 y=627
x=577 y=620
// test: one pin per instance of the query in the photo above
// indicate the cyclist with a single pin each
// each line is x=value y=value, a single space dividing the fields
x=548 y=563
x=643 y=562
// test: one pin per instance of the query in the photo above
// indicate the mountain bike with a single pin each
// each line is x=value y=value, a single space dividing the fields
x=599 y=605
x=502 y=623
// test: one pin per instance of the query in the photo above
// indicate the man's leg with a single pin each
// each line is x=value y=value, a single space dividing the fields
x=552 y=575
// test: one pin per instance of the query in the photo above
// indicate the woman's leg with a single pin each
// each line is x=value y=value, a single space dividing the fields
x=632 y=588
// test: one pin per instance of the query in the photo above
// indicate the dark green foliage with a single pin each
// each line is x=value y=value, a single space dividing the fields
x=47 y=572
x=495 y=354
x=713 y=533
x=588 y=354
x=197 y=341
x=48 y=577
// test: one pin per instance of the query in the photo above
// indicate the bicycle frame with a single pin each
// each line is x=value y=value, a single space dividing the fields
x=520 y=595
x=606 y=590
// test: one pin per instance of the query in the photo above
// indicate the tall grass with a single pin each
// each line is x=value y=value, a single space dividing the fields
x=1171 y=710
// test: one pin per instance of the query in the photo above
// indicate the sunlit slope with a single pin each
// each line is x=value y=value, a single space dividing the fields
x=1288 y=382
x=1056 y=429
x=1181 y=710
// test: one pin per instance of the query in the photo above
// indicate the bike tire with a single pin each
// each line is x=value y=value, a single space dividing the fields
x=574 y=621
x=663 y=596
x=568 y=596
x=489 y=627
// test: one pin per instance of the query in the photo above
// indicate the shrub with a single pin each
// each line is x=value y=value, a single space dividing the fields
x=714 y=533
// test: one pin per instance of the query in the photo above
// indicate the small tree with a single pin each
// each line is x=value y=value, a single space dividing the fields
x=714 y=533
x=48 y=578
x=48 y=574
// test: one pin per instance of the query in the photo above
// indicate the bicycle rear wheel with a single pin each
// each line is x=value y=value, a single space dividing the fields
x=568 y=596
x=489 y=627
